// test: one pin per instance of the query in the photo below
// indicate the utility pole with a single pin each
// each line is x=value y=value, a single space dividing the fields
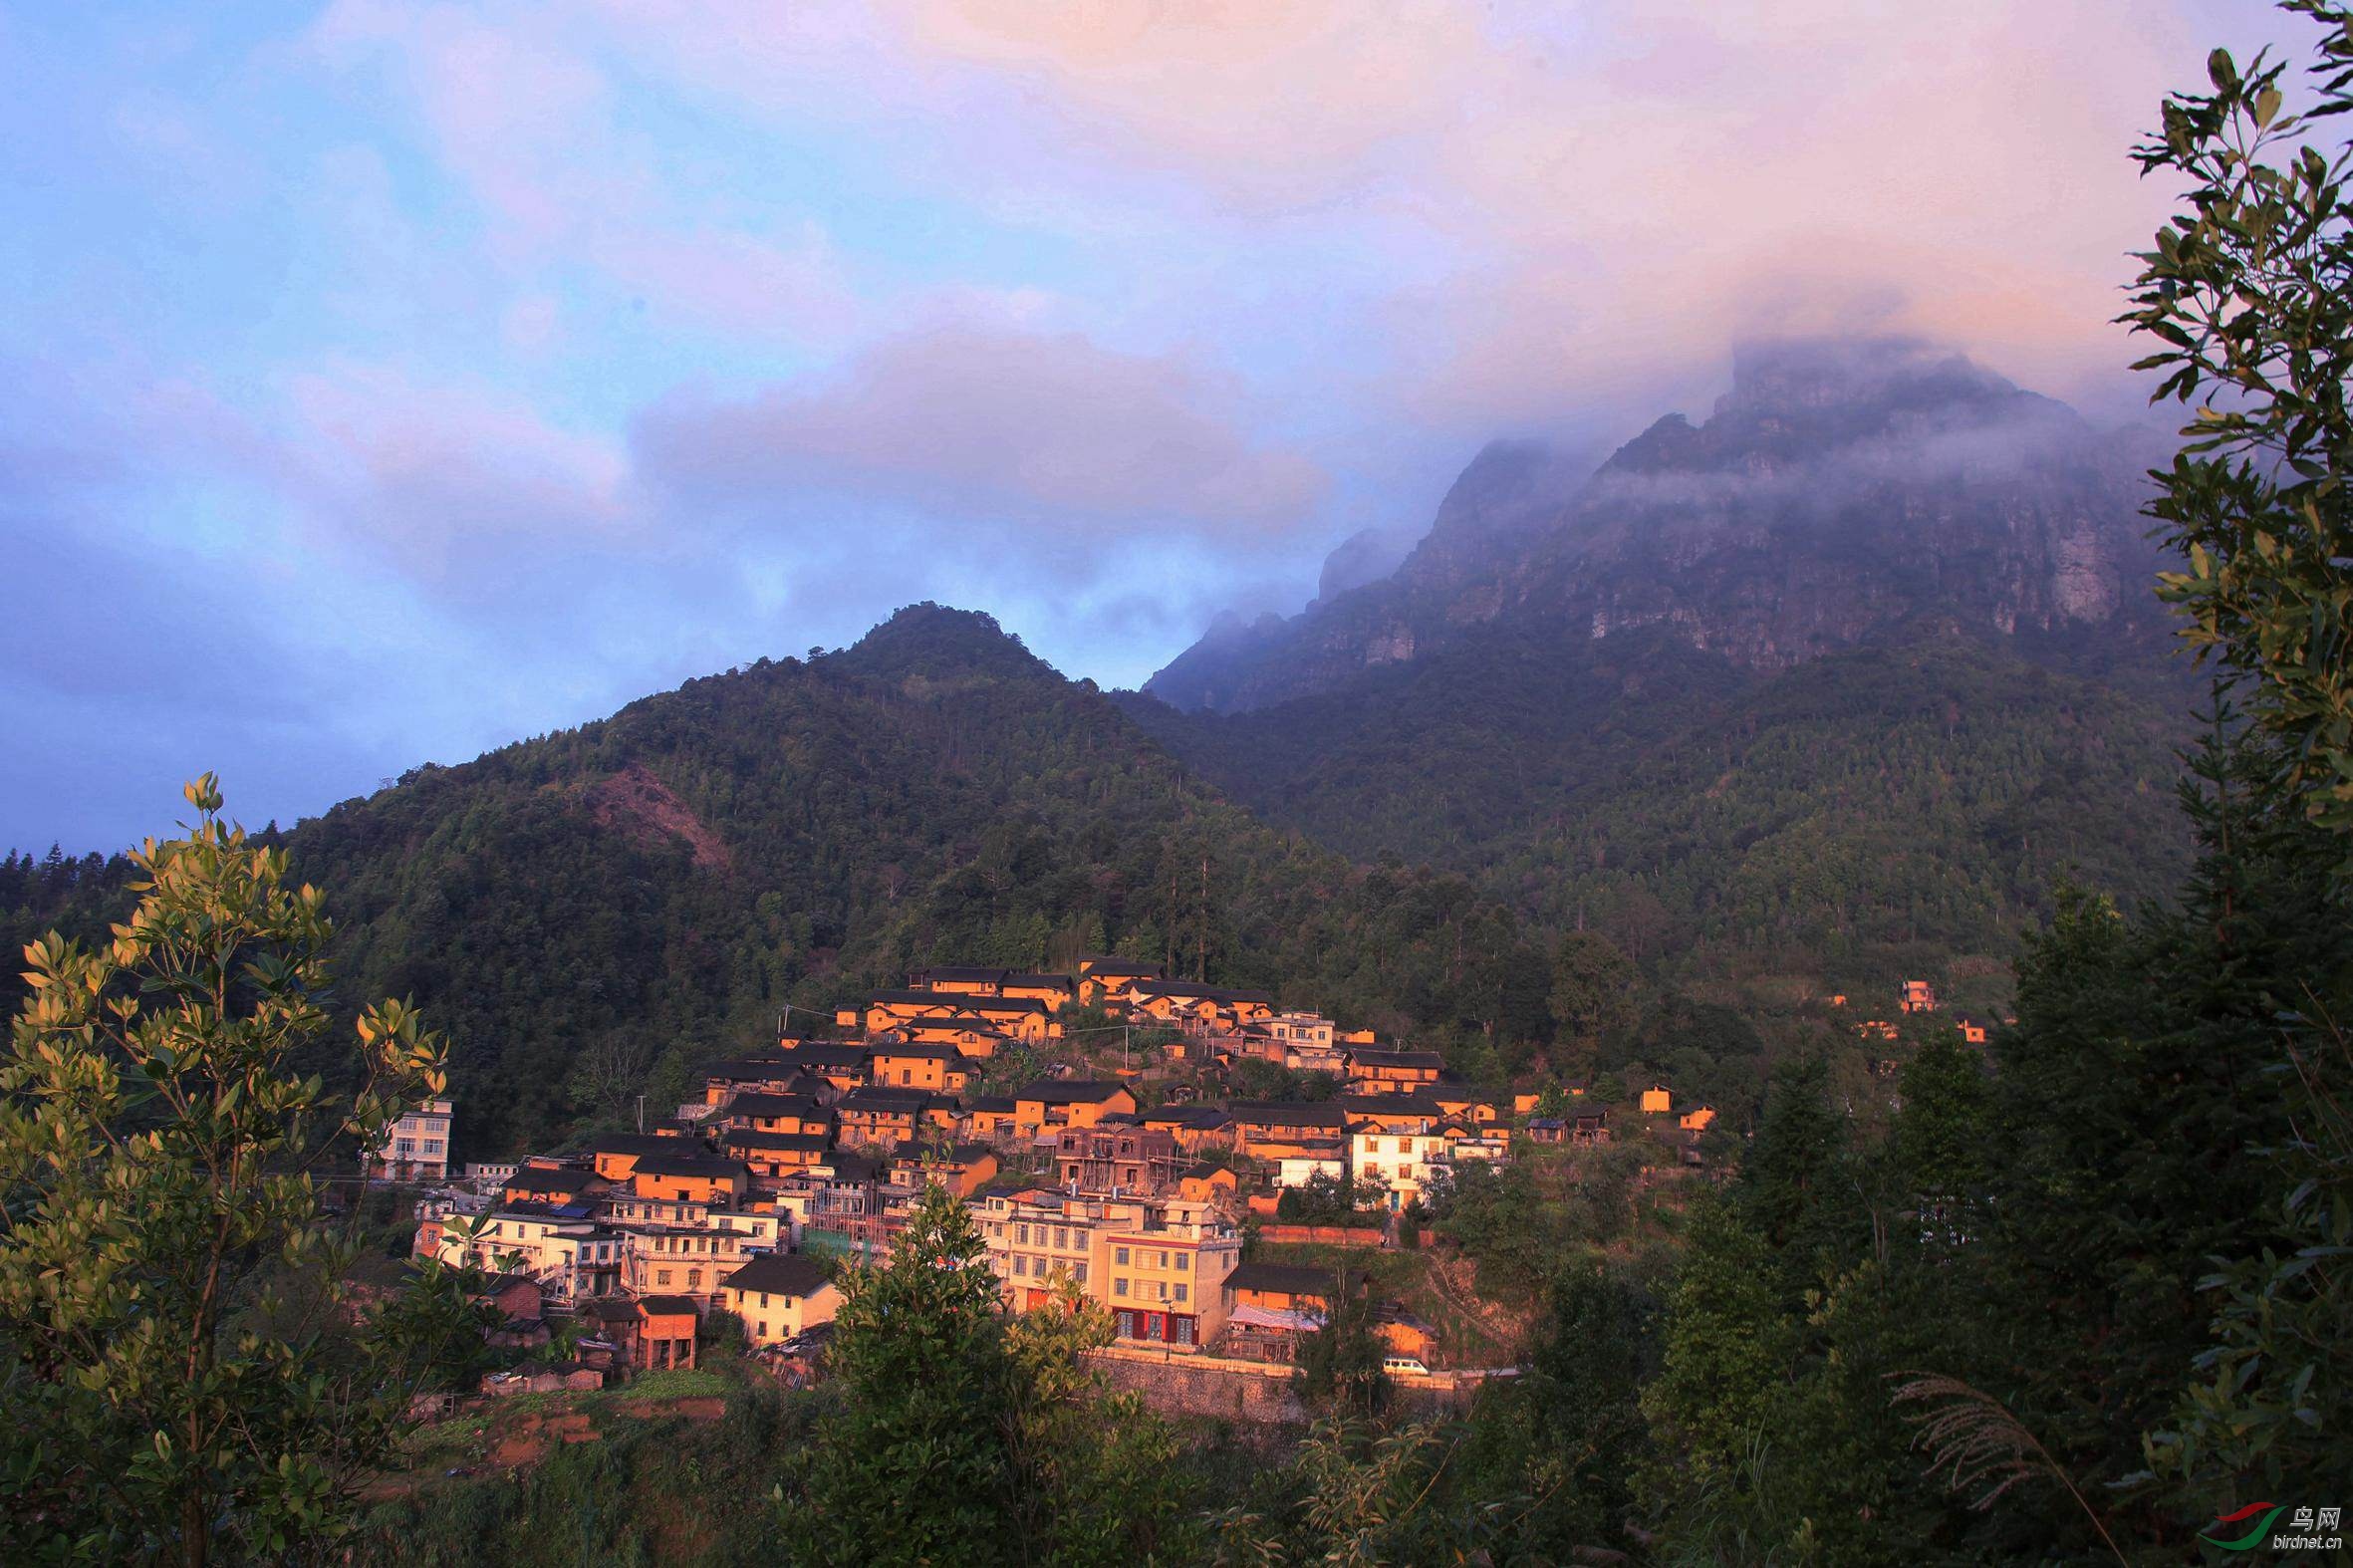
x=1203 y=975
x=641 y=1115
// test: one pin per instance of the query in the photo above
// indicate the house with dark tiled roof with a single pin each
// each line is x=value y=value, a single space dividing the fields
x=841 y=1063
x=615 y=1156
x=874 y=1117
x=551 y=1183
x=962 y=1168
x=1108 y=982
x=1198 y=1008
x=1193 y=1127
x=1055 y=1102
x=1373 y=1071
x=780 y=1296
x=1025 y=1017
x=770 y=1156
x=974 y=1038
x=761 y=1112
x=935 y=1069
x=698 y=1178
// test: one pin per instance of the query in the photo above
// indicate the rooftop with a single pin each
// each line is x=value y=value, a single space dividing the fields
x=1289 y=1277
x=1071 y=1091
x=780 y=1273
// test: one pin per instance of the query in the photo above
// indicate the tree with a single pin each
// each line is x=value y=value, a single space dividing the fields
x=1096 y=1473
x=179 y=1377
x=1584 y=1390
x=1797 y=1185
x=608 y=1075
x=1938 y=1144
x=1592 y=986
x=2250 y=295
x=1355 y=1492
x=1727 y=1344
x=1339 y=1362
x=913 y=1465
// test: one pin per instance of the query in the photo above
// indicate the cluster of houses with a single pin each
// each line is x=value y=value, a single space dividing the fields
x=1916 y=998
x=821 y=1148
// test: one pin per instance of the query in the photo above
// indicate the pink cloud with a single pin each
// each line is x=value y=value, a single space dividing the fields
x=1570 y=196
x=445 y=478
x=1052 y=430
x=523 y=117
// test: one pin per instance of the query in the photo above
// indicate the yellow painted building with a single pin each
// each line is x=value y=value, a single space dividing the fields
x=780 y=1296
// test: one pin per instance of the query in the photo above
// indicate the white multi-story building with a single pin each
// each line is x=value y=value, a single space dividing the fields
x=573 y=1257
x=682 y=1256
x=1398 y=1160
x=417 y=1149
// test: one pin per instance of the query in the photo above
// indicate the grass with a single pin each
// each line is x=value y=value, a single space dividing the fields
x=673 y=1383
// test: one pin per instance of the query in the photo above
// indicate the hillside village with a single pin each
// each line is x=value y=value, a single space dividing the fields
x=1101 y=1128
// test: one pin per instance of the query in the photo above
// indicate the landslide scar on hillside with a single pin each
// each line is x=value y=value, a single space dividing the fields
x=635 y=802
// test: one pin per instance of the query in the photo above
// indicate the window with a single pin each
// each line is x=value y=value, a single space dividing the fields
x=764 y=1328
x=1183 y=1329
x=1118 y=1255
x=1181 y=1290
x=763 y=1298
x=662 y=1276
x=1021 y=1234
x=1183 y=1263
x=1080 y=1272
x=1119 y=1287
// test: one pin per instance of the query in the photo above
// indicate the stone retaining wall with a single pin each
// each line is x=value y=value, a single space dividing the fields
x=1243 y=1392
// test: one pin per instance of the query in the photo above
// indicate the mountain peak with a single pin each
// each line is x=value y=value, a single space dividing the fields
x=1785 y=375
x=939 y=641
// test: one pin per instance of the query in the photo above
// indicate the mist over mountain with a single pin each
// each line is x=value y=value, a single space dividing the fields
x=1855 y=670
x=1840 y=493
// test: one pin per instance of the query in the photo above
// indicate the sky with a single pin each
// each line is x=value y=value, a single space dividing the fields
x=382 y=381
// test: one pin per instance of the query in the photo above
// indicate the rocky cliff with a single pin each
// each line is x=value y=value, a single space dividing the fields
x=1840 y=495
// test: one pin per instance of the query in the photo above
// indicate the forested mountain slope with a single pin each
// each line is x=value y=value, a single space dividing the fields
x=1874 y=811
x=1842 y=681
x=793 y=831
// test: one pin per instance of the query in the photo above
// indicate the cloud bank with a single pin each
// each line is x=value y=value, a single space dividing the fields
x=492 y=363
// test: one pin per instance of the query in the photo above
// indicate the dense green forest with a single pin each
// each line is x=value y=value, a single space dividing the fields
x=662 y=883
x=654 y=890
x=1867 y=815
